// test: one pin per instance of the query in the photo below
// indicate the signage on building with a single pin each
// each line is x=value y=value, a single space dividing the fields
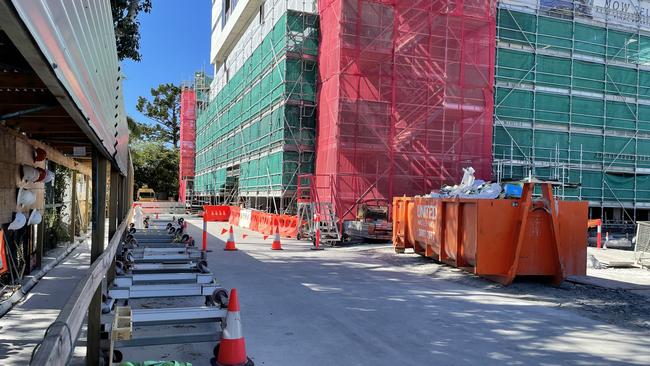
x=629 y=13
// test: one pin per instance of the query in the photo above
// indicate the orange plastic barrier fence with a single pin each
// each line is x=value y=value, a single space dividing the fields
x=265 y=223
x=216 y=213
x=498 y=239
x=288 y=225
x=234 y=215
x=255 y=220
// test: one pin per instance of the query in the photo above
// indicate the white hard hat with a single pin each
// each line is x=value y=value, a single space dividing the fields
x=30 y=174
x=25 y=197
x=19 y=221
x=49 y=177
x=35 y=218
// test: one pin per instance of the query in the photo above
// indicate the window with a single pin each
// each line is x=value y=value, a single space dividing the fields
x=262 y=12
x=226 y=10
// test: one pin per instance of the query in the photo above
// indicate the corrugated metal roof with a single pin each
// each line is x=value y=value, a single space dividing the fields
x=78 y=40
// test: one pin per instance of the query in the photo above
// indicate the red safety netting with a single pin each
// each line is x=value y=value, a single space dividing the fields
x=405 y=99
x=187 y=140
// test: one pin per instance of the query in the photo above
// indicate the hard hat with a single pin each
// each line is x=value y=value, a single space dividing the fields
x=35 y=218
x=42 y=174
x=39 y=154
x=25 y=197
x=19 y=221
x=49 y=177
x=30 y=174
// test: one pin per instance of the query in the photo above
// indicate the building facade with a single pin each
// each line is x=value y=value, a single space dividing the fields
x=572 y=101
x=257 y=133
x=401 y=100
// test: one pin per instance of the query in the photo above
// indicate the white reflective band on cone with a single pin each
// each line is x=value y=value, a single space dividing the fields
x=233 y=326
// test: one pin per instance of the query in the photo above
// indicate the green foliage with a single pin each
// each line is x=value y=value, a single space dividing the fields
x=56 y=228
x=155 y=165
x=141 y=131
x=127 y=26
x=164 y=109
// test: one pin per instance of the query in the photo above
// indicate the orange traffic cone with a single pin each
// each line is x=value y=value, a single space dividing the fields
x=231 y=351
x=230 y=244
x=317 y=241
x=276 y=241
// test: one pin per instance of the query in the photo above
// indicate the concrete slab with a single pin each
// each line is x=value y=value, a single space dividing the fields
x=613 y=257
x=346 y=307
x=630 y=277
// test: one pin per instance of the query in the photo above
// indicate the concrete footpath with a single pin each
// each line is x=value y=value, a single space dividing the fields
x=25 y=324
x=344 y=307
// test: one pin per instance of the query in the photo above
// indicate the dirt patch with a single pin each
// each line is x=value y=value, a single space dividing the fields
x=619 y=307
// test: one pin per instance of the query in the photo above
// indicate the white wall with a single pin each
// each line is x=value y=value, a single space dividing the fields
x=234 y=44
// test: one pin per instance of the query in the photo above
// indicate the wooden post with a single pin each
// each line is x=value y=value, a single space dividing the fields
x=73 y=207
x=113 y=202
x=99 y=166
x=120 y=198
x=113 y=217
x=87 y=213
x=40 y=240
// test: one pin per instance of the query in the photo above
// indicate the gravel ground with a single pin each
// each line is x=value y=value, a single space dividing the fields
x=614 y=306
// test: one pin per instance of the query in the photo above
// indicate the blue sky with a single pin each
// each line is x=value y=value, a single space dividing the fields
x=175 y=42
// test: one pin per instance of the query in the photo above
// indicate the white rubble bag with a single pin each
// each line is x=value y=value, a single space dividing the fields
x=138 y=218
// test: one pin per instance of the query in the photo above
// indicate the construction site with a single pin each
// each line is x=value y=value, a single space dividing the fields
x=479 y=170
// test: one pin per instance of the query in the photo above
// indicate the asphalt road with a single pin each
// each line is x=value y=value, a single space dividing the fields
x=345 y=307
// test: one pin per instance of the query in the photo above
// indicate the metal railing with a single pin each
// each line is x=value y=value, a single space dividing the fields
x=60 y=337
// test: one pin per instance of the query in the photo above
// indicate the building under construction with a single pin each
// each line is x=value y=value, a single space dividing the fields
x=257 y=134
x=572 y=101
x=402 y=105
x=381 y=98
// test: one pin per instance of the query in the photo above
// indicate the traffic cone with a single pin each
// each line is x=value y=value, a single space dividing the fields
x=231 y=351
x=317 y=241
x=230 y=244
x=276 y=241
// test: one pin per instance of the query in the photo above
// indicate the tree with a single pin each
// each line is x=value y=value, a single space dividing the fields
x=127 y=26
x=140 y=131
x=165 y=110
x=156 y=166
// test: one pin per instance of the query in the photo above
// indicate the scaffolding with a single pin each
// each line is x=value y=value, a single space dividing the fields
x=572 y=102
x=187 y=140
x=406 y=97
x=257 y=134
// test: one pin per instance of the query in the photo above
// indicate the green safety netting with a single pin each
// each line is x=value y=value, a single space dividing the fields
x=268 y=104
x=586 y=80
